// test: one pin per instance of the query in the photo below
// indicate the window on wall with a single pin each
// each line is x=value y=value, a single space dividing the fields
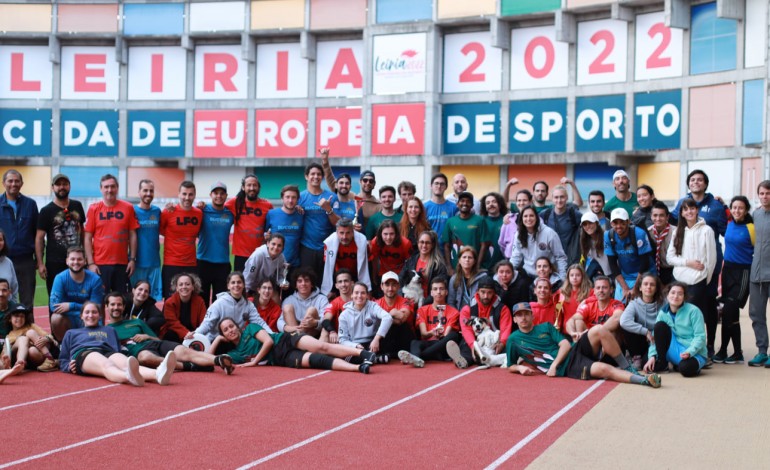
x=753 y=110
x=394 y=11
x=712 y=40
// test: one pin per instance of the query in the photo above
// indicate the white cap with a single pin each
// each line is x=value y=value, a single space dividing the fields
x=618 y=213
x=389 y=276
x=620 y=173
x=589 y=217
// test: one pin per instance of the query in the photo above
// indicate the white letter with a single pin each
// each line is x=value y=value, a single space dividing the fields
x=669 y=130
x=8 y=136
x=207 y=134
x=457 y=129
x=233 y=140
x=593 y=118
x=485 y=128
x=299 y=133
x=552 y=123
x=645 y=112
x=523 y=125
x=142 y=133
x=75 y=133
x=266 y=133
x=330 y=129
x=612 y=118
x=402 y=130
x=101 y=135
x=169 y=134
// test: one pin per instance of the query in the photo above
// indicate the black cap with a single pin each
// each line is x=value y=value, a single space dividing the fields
x=487 y=282
x=368 y=173
x=465 y=195
x=20 y=309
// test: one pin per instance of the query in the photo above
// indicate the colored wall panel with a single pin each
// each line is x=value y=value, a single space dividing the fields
x=331 y=14
x=220 y=16
x=275 y=178
x=156 y=134
x=753 y=111
x=712 y=116
x=529 y=174
x=88 y=18
x=37 y=179
x=590 y=176
x=712 y=40
x=86 y=180
x=585 y=3
x=657 y=120
x=755 y=33
x=538 y=126
x=166 y=182
x=393 y=11
x=26 y=18
x=600 y=123
x=471 y=128
x=721 y=177
x=481 y=179
x=462 y=8
x=91 y=133
x=662 y=177
x=522 y=7
x=151 y=19
x=273 y=14
x=205 y=177
x=393 y=175
x=25 y=132
x=751 y=175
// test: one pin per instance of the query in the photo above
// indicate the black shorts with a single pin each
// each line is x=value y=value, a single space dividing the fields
x=285 y=352
x=160 y=347
x=581 y=359
x=80 y=357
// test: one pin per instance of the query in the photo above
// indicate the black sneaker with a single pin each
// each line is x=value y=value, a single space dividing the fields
x=364 y=368
x=368 y=357
x=736 y=358
x=197 y=368
x=720 y=357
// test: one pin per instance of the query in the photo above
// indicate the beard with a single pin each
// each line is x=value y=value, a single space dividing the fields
x=252 y=196
x=62 y=194
x=78 y=271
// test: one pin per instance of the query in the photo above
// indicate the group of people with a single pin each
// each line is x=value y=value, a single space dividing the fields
x=335 y=280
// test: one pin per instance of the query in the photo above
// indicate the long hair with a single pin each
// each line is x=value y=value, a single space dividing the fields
x=474 y=268
x=436 y=259
x=597 y=240
x=420 y=226
x=681 y=225
x=585 y=285
x=388 y=223
x=658 y=298
x=240 y=198
x=500 y=204
x=521 y=230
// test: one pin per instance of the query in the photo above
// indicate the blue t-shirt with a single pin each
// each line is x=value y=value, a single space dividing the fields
x=345 y=210
x=438 y=214
x=290 y=226
x=317 y=226
x=627 y=254
x=214 y=237
x=148 y=237
x=65 y=289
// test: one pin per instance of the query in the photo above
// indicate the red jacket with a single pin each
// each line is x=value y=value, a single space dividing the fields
x=171 y=310
x=505 y=319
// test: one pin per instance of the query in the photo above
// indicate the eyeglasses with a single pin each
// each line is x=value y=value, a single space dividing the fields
x=367 y=180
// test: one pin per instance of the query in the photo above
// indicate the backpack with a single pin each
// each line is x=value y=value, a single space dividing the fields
x=573 y=249
x=632 y=236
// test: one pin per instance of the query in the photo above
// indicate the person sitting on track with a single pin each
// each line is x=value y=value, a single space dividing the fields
x=266 y=306
x=140 y=342
x=343 y=284
x=265 y=262
x=298 y=350
x=29 y=344
x=364 y=324
x=302 y=309
x=601 y=309
x=95 y=350
x=401 y=332
x=184 y=310
x=541 y=349
x=143 y=306
x=70 y=289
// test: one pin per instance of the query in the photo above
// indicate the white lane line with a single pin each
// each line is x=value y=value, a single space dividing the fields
x=352 y=422
x=519 y=445
x=157 y=421
x=56 y=397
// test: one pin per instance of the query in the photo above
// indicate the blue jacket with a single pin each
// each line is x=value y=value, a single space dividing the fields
x=20 y=230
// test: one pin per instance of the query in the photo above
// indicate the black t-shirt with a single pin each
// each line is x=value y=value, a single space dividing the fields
x=63 y=228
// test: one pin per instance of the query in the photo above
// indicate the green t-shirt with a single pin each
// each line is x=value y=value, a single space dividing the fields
x=537 y=348
x=374 y=223
x=250 y=345
x=629 y=205
x=126 y=329
x=461 y=232
x=491 y=234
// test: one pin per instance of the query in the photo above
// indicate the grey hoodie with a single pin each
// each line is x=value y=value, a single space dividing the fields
x=760 y=266
x=360 y=326
x=315 y=299
x=639 y=317
x=240 y=311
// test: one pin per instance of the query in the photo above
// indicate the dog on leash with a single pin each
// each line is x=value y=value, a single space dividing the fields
x=485 y=342
x=413 y=289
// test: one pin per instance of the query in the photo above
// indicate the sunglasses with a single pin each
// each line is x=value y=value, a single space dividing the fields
x=367 y=180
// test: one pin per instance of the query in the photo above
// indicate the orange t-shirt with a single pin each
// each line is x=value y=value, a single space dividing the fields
x=110 y=227
x=392 y=258
x=180 y=229
x=429 y=316
x=592 y=315
x=249 y=233
x=400 y=304
x=270 y=313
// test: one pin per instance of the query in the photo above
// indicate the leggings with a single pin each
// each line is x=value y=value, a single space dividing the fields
x=735 y=293
x=433 y=350
x=669 y=350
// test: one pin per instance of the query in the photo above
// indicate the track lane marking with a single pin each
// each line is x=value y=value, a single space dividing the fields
x=56 y=397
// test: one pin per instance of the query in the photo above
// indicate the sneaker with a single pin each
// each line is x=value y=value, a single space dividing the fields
x=49 y=365
x=632 y=369
x=409 y=358
x=454 y=352
x=364 y=368
x=720 y=357
x=654 y=380
x=709 y=363
x=166 y=369
x=737 y=358
x=368 y=356
x=382 y=359
x=225 y=362
x=133 y=375
x=759 y=360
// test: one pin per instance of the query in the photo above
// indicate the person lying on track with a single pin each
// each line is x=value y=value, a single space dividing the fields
x=95 y=350
x=254 y=345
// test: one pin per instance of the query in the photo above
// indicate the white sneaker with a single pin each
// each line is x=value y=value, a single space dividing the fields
x=166 y=369
x=132 y=372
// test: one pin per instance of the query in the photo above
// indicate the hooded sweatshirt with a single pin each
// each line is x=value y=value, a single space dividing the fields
x=698 y=245
x=240 y=311
x=760 y=265
x=543 y=243
x=260 y=266
x=361 y=326
x=315 y=299
x=463 y=295
x=639 y=317
x=688 y=327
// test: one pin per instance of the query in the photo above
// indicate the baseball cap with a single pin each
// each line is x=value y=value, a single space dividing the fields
x=618 y=213
x=58 y=177
x=366 y=173
x=20 y=309
x=589 y=217
x=465 y=195
x=521 y=307
x=218 y=185
x=486 y=282
x=389 y=276
x=620 y=173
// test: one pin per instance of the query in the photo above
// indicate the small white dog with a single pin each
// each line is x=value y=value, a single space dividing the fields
x=413 y=290
x=485 y=343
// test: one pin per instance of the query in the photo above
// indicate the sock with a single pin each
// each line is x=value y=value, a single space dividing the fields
x=187 y=366
x=621 y=361
x=639 y=380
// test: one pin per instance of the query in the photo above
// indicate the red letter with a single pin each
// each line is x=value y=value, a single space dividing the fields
x=345 y=70
x=282 y=71
x=156 y=74
x=17 y=75
x=83 y=72
x=550 y=56
x=225 y=76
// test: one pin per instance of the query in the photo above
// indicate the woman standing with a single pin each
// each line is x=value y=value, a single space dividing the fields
x=465 y=281
x=535 y=240
x=184 y=310
x=739 y=252
x=645 y=197
x=427 y=261
x=592 y=252
x=693 y=255
x=508 y=230
x=414 y=222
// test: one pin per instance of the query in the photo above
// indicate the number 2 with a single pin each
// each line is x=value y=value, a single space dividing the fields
x=470 y=74
x=598 y=65
x=655 y=60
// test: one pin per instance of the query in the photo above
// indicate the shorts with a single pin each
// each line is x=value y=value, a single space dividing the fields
x=80 y=357
x=581 y=358
x=160 y=347
x=285 y=351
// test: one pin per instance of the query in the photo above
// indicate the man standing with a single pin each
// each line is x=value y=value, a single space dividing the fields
x=564 y=218
x=343 y=203
x=369 y=204
x=345 y=248
x=387 y=199
x=318 y=214
x=759 y=290
x=596 y=205
x=180 y=226
x=464 y=229
x=287 y=221
x=493 y=211
x=661 y=232
x=459 y=186
x=624 y=197
x=539 y=194
x=214 y=243
x=628 y=252
x=110 y=235
x=18 y=219
x=71 y=289
x=59 y=226
x=438 y=210
x=148 y=240
x=250 y=212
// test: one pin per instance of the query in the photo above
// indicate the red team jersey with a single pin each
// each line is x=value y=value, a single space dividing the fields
x=400 y=304
x=392 y=258
x=180 y=229
x=347 y=257
x=593 y=316
x=110 y=227
x=335 y=307
x=249 y=233
x=429 y=316
x=270 y=313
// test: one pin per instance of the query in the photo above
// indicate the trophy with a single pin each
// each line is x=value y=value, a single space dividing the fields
x=283 y=279
x=440 y=318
